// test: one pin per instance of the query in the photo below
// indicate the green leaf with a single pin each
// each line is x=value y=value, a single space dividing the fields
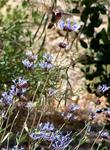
x=94 y=44
x=83 y=43
x=108 y=99
x=102 y=9
x=86 y=2
x=25 y=4
x=75 y=11
x=95 y=20
x=85 y=14
x=104 y=36
x=90 y=30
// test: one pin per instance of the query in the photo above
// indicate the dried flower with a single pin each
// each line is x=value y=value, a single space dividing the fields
x=63 y=45
x=98 y=102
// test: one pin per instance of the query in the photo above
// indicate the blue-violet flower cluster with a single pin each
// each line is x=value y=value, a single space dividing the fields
x=47 y=132
x=103 y=89
x=29 y=61
x=68 y=26
x=18 y=88
x=46 y=64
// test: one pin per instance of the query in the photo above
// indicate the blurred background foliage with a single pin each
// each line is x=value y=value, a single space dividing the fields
x=96 y=43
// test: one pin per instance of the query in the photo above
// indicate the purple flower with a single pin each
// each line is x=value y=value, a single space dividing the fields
x=46 y=65
x=15 y=147
x=44 y=131
x=47 y=57
x=7 y=98
x=69 y=116
x=46 y=126
x=104 y=134
x=12 y=90
x=73 y=107
x=75 y=26
x=61 y=141
x=47 y=132
x=20 y=82
x=18 y=148
x=28 y=64
x=61 y=24
x=19 y=87
x=103 y=90
x=68 y=26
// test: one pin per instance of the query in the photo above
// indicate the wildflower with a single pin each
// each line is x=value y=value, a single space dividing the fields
x=104 y=134
x=68 y=26
x=31 y=56
x=47 y=57
x=20 y=86
x=28 y=64
x=12 y=90
x=73 y=107
x=7 y=98
x=46 y=65
x=103 y=90
x=69 y=115
x=46 y=126
x=44 y=131
x=15 y=147
x=61 y=141
x=20 y=91
x=20 y=82
x=92 y=116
